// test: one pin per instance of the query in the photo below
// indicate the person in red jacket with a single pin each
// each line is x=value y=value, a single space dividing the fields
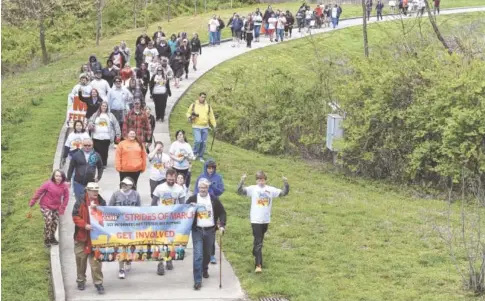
x=82 y=238
x=53 y=197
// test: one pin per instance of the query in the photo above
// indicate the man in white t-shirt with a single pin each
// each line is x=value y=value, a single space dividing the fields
x=168 y=193
x=261 y=202
x=210 y=215
x=213 y=26
x=149 y=53
x=280 y=27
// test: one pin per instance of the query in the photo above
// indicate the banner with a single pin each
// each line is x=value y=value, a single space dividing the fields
x=141 y=233
x=76 y=110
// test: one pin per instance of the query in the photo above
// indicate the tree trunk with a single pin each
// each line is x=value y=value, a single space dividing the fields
x=364 y=28
x=134 y=12
x=45 y=56
x=195 y=7
x=146 y=14
x=436 y=29
x=205 y=6
x=168 y=11
x=98 y=21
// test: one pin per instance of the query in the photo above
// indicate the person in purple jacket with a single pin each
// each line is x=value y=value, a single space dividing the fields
x=53 y=197
x=216 y=188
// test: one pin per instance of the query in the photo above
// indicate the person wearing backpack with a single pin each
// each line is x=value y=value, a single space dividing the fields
x=201 y=115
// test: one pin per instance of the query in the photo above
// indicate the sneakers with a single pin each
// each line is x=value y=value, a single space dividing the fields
x=81 y=286
x=197 y=286
x=160 y=269
x=205 y=274
x=213 y=259
x=54 y=242
x=47 y=244
x=258 y=269
x=128 y=266
x=201 y=160
x=121 y=274
x=99 y=288
x=186 y=76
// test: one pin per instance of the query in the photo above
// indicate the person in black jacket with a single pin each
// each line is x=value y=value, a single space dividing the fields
x=109 y=72
x=144 y=75
x=210 y=215
x=219 y=30
x=290 y=20
x=185 y=50
x=84 y=165
x=248 y=29
x=196 y=49
x=140 y=48
x=160 y=91
x=141 y=37
x=158 y=34
x=163 y=48
x=93 y=102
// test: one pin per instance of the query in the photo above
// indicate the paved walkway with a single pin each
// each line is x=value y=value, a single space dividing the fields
x=142 y=282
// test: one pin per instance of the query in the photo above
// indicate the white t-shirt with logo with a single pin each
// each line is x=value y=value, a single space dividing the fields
x=150 y=54
x=158 y=169
x=169 y=195
x=213 y=24
x=75 y=140
x=272 y=23
x=205 y=212
x=281 y=23
x=261 y=202
x=102 y=127
x=179 y=150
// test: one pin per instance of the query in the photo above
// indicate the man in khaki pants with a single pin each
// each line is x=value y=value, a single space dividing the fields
x=82 y=238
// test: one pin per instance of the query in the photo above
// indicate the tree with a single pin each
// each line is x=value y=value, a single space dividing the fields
x=364 y=28
x=17 y=11
x=432 y=20
x=99 y=19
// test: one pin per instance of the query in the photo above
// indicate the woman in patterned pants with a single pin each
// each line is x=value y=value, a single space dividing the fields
x=53 y=196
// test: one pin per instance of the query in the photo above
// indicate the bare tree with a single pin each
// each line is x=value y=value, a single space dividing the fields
x=37 y=10
x=99 y=18
x=364 y=28
x=432 y=20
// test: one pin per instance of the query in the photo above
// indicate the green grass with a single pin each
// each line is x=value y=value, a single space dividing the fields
x=29 y=138
x=333 y=237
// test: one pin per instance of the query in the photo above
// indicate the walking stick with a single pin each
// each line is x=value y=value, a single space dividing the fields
x=213 y=139
x=220 y=260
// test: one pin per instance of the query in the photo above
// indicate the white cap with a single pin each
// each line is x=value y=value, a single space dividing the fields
x=92 y=186
x=127 y=181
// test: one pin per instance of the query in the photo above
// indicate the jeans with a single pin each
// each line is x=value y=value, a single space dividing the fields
x=258 y=232
x=213 y=37
x=202 y=240
x=280 y=33
x=218 y=37
x=200 y=140
x=334 y=22
x=78 y=190
x=257 y=28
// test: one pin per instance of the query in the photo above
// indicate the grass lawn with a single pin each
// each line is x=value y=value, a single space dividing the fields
x=29 y=137
x=333 y=238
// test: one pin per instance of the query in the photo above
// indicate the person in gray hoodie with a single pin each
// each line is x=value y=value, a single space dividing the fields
x=126 y=196
x=118 y=98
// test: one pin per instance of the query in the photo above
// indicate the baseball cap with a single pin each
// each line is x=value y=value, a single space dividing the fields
x=127 y=181
x=83 y=75
x=92 y=186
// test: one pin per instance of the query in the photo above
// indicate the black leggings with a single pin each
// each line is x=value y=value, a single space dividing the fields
x=249 y=38
x=133 y=174
x=102 y=148
x=160 y=101
x=258 y=233
x=186 y=68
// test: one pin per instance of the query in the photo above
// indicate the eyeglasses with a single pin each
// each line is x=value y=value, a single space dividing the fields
x=118 y=81
x=87 y=145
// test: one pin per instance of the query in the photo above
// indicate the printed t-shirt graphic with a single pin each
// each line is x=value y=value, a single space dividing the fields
x=205 y=215
x=169 y=195
x=261 y=202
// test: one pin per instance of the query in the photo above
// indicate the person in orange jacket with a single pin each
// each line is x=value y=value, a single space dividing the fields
x=131 y=158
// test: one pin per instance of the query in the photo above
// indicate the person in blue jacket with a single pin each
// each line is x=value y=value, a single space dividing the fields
x=216 y=189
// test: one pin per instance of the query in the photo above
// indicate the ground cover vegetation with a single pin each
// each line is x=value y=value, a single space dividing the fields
x=337 y=237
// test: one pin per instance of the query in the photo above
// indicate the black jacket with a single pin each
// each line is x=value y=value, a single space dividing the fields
x=195 y=45
x=164 y=50
x=167 y=85
x=92 y=107
x=144 y=76
x=219 y=211
x=85 y=172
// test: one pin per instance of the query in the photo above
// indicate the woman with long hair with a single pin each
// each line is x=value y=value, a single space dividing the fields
x=159 y=90
x=143 y=75
x=181 y=153
x=131 y=157
x=74 y=141
x=177 y=62
x=105 y=130
x=93 y=101
x=53 y=197
x=196 y=49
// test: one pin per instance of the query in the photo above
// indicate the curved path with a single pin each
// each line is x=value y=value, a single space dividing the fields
x=142 y=282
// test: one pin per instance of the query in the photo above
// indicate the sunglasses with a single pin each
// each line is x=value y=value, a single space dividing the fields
x=118 y=81
x=87 y=145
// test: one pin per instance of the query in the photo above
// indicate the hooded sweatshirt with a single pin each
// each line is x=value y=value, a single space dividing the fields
x=95 y=65
x=217 y=184
x=52 y=196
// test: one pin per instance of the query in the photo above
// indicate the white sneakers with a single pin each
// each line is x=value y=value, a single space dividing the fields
x=121 y=274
